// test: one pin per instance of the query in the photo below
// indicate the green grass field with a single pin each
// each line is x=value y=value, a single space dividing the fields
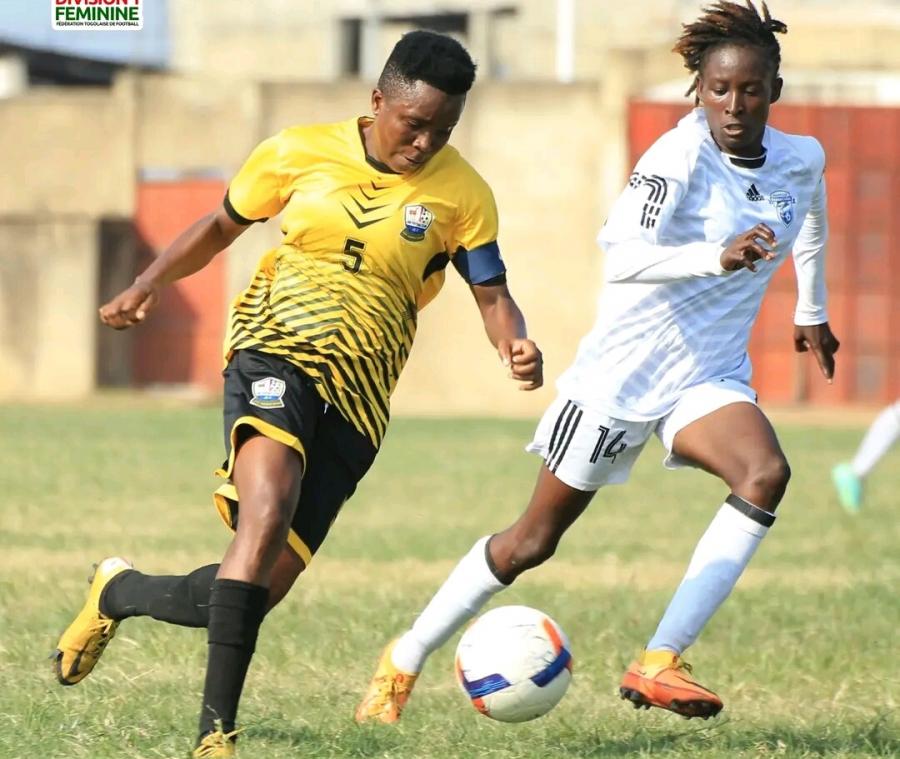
x=804 y=654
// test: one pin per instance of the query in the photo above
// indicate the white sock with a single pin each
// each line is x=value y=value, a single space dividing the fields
x=718 y=561
x=884 y=432
x=469 y=586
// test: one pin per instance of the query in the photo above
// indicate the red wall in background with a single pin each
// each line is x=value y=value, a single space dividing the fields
x=862 y=147
x=181 y=341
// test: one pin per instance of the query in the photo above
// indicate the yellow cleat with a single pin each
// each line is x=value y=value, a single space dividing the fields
x=81 y=645
x=216 y=745
x=388 y=692
x=663 y=679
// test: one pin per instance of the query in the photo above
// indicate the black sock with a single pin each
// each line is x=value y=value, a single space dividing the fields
x=178 y=599
x=236 y=610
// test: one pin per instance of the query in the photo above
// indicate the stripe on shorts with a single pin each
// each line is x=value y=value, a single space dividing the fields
x=568 y=432
x=556 y=429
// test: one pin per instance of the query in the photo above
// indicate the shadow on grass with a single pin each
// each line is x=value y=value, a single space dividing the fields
x=877 y=737
x=356 y=741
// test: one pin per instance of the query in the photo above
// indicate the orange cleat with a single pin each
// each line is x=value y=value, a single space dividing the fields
x=387 y=693
x=663 y=679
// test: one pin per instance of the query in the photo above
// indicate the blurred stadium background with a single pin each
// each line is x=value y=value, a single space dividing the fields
x=112 y=141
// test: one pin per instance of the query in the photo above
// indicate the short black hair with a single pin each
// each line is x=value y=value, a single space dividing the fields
x=433 y=58
x=729 y=23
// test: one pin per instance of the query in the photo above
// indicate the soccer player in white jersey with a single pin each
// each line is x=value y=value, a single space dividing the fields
x=849 y=476
x=710 y=212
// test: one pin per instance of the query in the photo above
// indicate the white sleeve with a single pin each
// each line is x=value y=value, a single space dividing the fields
x=631 y=234
x=809 y=261
x=639 y=261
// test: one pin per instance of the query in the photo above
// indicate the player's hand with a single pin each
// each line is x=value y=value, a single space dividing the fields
x=821 y=341
x=130 y=306
x=755 y=244
x=525 y=362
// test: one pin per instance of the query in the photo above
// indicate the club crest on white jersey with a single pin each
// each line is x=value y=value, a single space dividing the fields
x=784 y=205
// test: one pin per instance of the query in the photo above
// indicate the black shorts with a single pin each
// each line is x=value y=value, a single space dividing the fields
x=265 y=394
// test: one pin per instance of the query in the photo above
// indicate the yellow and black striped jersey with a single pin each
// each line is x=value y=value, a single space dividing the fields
x=363 y=250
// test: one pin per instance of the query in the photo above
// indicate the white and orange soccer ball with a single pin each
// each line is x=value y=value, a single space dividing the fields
x=514 y=663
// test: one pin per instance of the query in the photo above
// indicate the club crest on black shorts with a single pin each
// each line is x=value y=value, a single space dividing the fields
x=268 y=393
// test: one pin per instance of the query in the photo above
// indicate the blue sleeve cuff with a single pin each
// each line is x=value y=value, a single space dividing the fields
x=479 y=264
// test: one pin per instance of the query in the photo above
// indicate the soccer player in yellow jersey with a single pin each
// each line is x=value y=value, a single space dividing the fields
x=373 y=211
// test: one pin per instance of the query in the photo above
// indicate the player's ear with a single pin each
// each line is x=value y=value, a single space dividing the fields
x=377 y=100
x=776 y=89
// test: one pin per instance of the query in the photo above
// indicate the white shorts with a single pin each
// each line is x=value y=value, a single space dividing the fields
x=586 y=449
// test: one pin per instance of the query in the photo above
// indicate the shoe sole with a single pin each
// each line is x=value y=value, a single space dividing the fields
x=688 y=709
x=57 y=668
x=370 y=719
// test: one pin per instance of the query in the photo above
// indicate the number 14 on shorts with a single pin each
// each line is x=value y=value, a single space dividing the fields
x=609 y=444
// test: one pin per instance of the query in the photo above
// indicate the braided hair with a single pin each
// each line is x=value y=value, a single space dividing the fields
x=728 y=23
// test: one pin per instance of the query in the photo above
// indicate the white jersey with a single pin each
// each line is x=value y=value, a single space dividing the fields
x=669 y=317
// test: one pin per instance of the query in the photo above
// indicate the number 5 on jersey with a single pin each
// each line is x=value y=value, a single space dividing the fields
x=353 y=250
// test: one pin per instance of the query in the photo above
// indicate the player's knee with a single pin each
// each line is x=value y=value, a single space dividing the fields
x=534 y=549
x=767 y=481
x=267 y=512
x=519 y=548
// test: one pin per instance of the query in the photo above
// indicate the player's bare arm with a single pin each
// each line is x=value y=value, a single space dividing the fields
x=821 y=342
x=191 y=251
x=505 y=327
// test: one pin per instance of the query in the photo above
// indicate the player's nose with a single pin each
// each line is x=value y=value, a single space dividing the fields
x=423 y=142
x=735 y=103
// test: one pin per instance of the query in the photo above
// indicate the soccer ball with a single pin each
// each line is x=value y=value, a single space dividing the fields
x=514 y=663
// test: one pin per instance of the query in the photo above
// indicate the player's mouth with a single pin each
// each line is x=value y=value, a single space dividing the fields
x=415 y=161
x=734 y=129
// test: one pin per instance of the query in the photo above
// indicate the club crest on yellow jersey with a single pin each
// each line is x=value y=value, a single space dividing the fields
x=268 y=393
x=416 y=220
